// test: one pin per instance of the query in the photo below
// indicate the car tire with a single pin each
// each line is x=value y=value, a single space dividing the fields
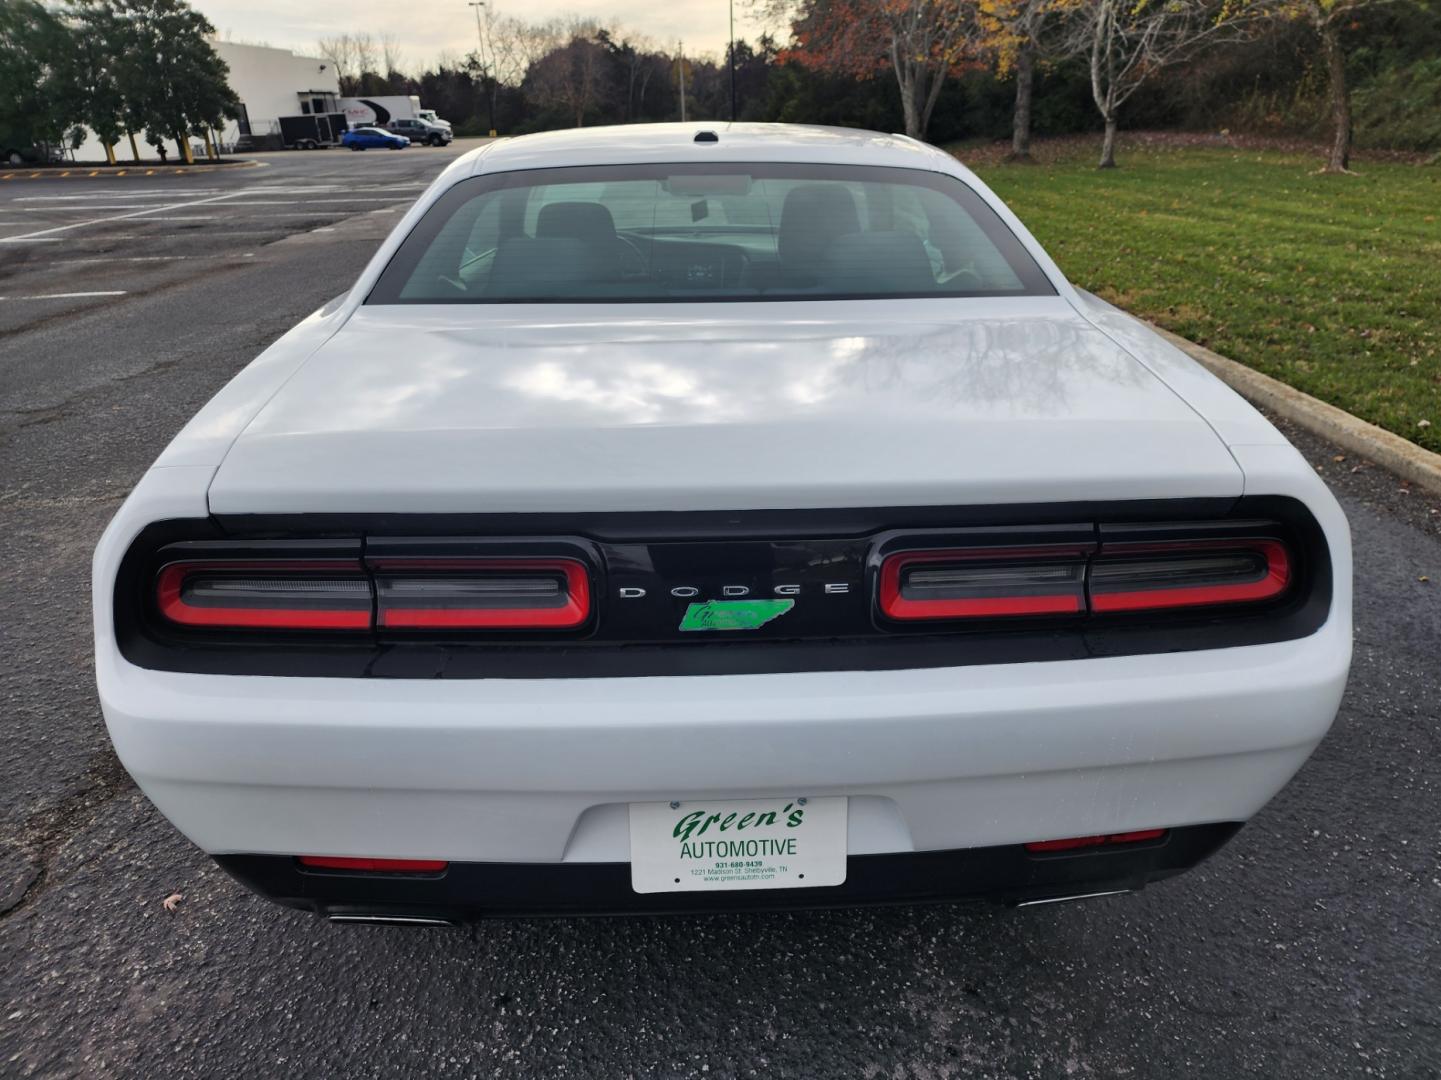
x=354 y=147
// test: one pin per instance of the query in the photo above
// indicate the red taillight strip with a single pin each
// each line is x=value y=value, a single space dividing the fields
x=895 y=605
x=170 y=599
x=373 y=866
x=1072 y=843
x=572 y=613
x=1272 y=584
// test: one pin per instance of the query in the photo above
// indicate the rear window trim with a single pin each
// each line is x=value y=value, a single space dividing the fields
x=392 y=280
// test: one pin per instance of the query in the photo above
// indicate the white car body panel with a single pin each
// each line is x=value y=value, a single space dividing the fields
x=974 y=402
x=718 y=406
x=531 y=770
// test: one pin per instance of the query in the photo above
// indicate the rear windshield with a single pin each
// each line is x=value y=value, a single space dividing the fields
x=708 y=232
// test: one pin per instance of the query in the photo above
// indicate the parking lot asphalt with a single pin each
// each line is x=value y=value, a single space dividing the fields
x=1309 y=947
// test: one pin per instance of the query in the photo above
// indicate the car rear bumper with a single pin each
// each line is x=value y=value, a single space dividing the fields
x=542 y=771
x=469 y=891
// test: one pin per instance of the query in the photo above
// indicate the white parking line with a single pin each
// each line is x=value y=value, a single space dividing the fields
x=328 y=201
x=317 y=212
x=118 y=195
x=85 y=209
x=66 y=295
x=197 y=234
x=286 y=189
x=119 y=217
x=140 y=258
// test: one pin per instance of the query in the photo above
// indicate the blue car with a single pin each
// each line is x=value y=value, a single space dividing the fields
x=364 y=138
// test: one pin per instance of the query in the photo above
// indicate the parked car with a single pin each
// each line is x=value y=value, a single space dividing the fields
x=15 y=151
x=673 y=519
x=373 y=138
x=422 y=131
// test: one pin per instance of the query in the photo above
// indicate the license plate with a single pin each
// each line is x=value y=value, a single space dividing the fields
x=706 y=846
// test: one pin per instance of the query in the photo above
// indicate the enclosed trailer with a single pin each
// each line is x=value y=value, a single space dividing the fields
x=312 y=132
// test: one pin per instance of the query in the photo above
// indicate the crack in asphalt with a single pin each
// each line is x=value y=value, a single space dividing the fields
x=47 y=828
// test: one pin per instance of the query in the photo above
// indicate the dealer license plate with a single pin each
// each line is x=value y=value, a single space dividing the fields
x=706 y=846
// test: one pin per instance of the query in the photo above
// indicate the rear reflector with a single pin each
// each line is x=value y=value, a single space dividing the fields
x=374 y=866
x=1147 y=577
x=324 y=594
x=983 y=583
x=482 y=594
x=1075 y=842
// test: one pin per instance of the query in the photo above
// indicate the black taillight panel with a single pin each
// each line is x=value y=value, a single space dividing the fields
x=504 y=596
x=1082 y=570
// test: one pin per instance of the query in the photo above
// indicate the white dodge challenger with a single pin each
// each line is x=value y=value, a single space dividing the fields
x=699 y=517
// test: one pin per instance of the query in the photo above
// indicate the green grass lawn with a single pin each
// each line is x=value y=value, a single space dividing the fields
x=1330 y=283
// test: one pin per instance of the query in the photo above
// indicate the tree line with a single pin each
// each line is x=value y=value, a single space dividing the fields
x=940 y=69
x=1124 y=44
x=114 y=66
x=944 y=70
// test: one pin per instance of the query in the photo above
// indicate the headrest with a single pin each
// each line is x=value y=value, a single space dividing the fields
x=577 y=220
x=551 y=268
x=878 y=262
x=812 y=216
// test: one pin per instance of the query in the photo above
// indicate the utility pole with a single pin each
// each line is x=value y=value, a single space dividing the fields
x=733 y=60
x=680 y=63
x=484 y=65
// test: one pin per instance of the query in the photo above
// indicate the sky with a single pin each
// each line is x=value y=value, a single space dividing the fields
x=426 y=28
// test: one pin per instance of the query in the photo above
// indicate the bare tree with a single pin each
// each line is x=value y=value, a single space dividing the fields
x=340 y=51
x=1127 y=42
x=920 y=41
x=1014 y=33
x=925 y=40
x=391 y=58
x=366 y=56
x=571 y=75
x=516 y=45
x=1329 y=18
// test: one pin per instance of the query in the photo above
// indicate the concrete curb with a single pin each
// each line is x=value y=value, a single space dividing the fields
x=85 y=172
x=1402 y=457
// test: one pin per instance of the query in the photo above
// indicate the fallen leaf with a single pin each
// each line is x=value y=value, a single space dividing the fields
x=171 y=902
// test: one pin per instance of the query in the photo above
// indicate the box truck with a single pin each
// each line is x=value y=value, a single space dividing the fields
x=380 y=111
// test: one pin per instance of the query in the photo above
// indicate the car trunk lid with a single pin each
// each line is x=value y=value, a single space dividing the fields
x=483 y=409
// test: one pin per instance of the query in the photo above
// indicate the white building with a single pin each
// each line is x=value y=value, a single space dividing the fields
x=270 y=83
